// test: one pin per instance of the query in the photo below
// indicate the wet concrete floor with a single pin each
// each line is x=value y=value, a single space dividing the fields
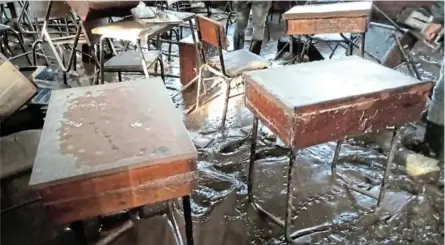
x=412 y=213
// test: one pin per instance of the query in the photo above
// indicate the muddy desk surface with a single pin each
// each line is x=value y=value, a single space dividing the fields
x=111 y=139
x=130 y=29
x=312 y=103
x=347 y=9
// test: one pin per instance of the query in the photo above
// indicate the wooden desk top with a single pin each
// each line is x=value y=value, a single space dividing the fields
x=297 y=86
x=346 y=9
x=130 y=29
x=105 y=129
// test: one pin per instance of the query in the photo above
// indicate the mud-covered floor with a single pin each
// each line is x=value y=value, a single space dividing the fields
x=412 y=213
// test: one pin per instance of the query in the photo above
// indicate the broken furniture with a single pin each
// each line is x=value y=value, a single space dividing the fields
x=111 y=147
x=15 y=89
x=227 y=65
x=304 y=107
x=135 y=31
x=335 y=18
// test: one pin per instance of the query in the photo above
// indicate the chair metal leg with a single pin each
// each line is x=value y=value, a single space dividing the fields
x=335 y=159
x=161 y=65
x=198 y=92
x=226 y=104
x=188 y=220
x=144 y=62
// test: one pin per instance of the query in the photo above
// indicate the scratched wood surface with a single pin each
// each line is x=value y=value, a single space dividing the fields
x=102 y=195
x=334 y=10
x=105 y=129
x=312 y=103
x=327 y=25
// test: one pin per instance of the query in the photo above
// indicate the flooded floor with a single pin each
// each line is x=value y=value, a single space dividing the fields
x=411 y=213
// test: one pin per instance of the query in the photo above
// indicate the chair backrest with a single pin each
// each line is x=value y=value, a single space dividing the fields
x=211 y=32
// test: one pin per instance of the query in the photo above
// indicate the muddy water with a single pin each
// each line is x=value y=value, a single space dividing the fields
x=411 y=213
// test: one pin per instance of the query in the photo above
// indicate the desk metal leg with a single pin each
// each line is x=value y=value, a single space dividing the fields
x=252 y=158
x=188 y=220
x=362 y=45
x=389 y=160
x=290 y=190
x=335 y=159
x=79 y=231
x=101 y=60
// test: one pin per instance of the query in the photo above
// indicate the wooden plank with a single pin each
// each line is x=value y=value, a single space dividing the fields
x=188 y=62
x=334 y=10
x=15 y=89
x=351 y=96
x=99 y=130
x=327 y=25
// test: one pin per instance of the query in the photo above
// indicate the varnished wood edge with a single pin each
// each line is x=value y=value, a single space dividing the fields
x=188 y=157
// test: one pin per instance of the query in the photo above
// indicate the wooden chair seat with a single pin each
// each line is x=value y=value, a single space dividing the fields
x=240 y=61
x=130 y=61
x=18 y=152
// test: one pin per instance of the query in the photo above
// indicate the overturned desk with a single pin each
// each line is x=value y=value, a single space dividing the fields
x=111 y=147
x=304 y=106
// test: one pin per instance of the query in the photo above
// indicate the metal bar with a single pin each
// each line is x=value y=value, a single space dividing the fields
x=270 y=216
x=188 y=220
x=410 y=63
x=396 y=26
x=335 y=159
x=361 y=191
x=226 y=104
x=174 y=223
x=390 y=159
x=303 y=232
x=8 y=209
x=116 y=233
x=252 y=158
